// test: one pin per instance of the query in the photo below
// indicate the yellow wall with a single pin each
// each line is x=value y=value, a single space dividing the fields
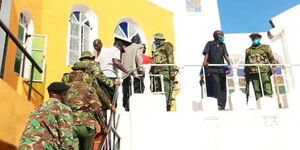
x=54 y=24
x=50 y=18
x=14 y=112
x=15 y=81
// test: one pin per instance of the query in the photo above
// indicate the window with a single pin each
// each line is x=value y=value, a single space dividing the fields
x=35 y=46
x=80 y=30
x=22 y=32
x=38 y=52
x=125 y=31
x=193 y=6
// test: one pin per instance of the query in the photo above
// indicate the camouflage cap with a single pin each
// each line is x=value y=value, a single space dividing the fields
x=255 y=36
x=57 y=87
x=159 y=36
x=79 y=66
x=86 y=54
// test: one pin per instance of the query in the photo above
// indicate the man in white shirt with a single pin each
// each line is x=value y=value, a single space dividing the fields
x=110 y=60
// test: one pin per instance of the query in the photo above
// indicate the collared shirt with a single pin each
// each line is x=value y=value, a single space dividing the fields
x=216 y=53
x=106 y=63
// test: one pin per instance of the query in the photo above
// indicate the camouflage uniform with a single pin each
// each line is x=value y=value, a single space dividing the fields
x=97 y=76
x=82 y=89
x=49 y=127
x=164 y=55
x=261 y=54
x=84 y=102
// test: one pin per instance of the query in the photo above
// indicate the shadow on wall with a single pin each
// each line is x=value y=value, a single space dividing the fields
x=6 y=146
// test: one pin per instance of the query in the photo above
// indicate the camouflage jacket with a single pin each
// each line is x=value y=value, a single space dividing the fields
x=163 y=55
x=94 y=68
x=80 y=75
x=261 y=54
x=49 y=127
x=84 y=102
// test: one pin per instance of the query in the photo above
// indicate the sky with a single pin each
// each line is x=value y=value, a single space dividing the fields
x=244 y=16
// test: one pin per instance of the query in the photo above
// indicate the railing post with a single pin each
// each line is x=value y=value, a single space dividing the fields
x=4 y=56
x=30 y=83
x=236 y=82
x=260 y=81
x=147 y=82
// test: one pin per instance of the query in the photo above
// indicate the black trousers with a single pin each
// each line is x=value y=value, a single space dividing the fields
x=219 y=88
x=138 y=87
x=126 y=85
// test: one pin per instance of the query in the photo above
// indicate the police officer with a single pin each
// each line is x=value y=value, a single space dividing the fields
x=50 y=125
x=259 y=53
x=85 y=105
x=93 y=68
x=164 y=55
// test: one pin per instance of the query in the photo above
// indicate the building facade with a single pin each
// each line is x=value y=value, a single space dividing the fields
x=54 y=33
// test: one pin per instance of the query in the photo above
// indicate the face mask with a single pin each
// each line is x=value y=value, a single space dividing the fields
x=221 y=39
x=156 y=43
x=256 y=42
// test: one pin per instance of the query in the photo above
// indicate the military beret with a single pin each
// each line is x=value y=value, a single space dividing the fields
x=254 y=36
x=57 y=87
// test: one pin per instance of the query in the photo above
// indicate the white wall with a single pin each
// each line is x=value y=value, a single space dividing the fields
x=237 y=44
x=4 y=16
x=287 y=25
x=192 y=30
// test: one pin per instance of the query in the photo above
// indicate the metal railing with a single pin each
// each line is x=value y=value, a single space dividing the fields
x=23 y=50
x=235 y=68
x=110 y=143
x=275 y=83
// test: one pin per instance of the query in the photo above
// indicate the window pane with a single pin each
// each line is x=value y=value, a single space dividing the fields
x=278 y=70
x=75 y=28
x=38 y=42
x=37 y=76
x=74 y=45
x=189 y=5
x=231 y=91
x=85 y=38
x=38 y=56
x=243 y=90
x=132 y=31
x=280 y=80
x=77 y=14
x=119 y=33
x=241 y=73
x=242 y=82
x=73 y=57
x=124 y=27
x=83 y=18
x=230 y=83
x=230 y=74
x=282 y=89
x=18 y=61
x=21 y=33
x=197 y=6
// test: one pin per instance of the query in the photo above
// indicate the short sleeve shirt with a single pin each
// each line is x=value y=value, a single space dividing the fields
x=105 y=59
x=216 y=52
